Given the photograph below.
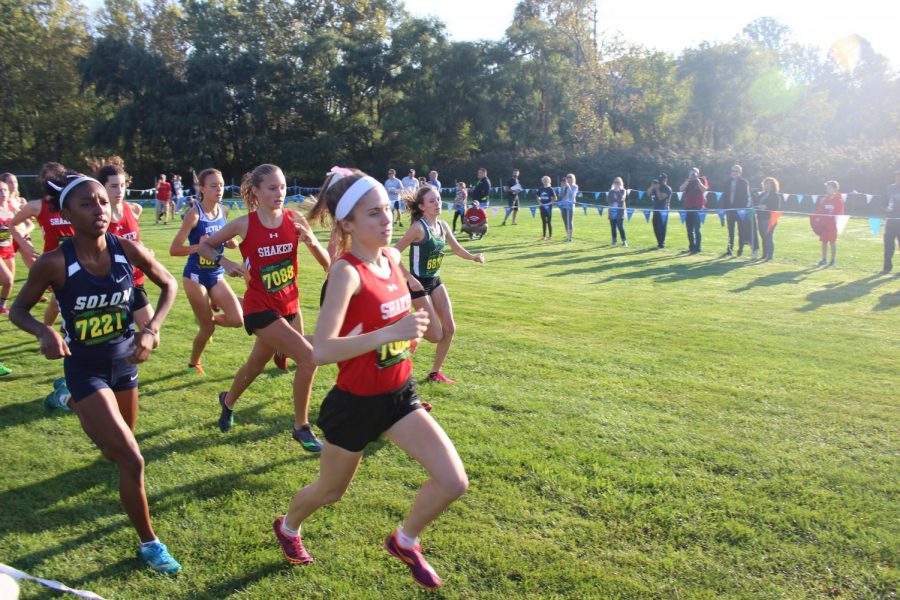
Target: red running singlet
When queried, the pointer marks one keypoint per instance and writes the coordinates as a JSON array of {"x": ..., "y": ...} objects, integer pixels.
[
  {"x": 127, "y": 228},
  {"x": 270, "y": 257},
  {"x": 56, "y": 229},
  {"x": 379, "y": 303}
]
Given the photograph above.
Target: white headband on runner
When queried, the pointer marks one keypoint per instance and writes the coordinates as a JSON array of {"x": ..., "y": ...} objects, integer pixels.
[
  {"x": 355, "y": 192},
  {"x": 71, "y": 186}
]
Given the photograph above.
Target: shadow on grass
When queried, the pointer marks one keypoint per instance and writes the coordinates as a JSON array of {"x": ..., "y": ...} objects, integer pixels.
[
  {"x": 226, "y": 587},
  {"x": 673, "y": 271},
  {"x": 773, "y": 279},
  {"x": 28, "y": 411},
  {"x": 100, "y": 472},
  {"x": 836, "y": 293},
  {"x": 888, "y": 301},
  {"x": 32, "y": 508},
  {"x": 10, "y": 350}
]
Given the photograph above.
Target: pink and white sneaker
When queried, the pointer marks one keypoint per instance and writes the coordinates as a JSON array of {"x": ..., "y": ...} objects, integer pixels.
[{"x": 439, "y": 377}]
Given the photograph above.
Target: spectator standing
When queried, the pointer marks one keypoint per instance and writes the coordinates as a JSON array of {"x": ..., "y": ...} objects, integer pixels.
[
  {"x": 433, "y": 180},
  {"x": 736, "y": 197},
  {"x": 660, "y": 193},
  {"x": 892, "y": 224},
  {"x": 513, "y": 189},
  {"x": 410, "y": 183},
  {"x": 459, "y": 205},
  {"x": 567, "y": 198},
  {"x": 163, "y": 198},
  {"x": 482, "y": 190},
  {"x": 615, "y": 198},
  {"x": 694, "y": 189},
  {"x": 394, "y": 186},
  {"x": 767, "y": 203},
  {"x": 546, "y": 198},
  {"x": 824, "y": 220}
]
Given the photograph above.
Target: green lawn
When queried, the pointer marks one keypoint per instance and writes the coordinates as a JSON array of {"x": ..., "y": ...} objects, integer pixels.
[{"x": 636, "y": 423}]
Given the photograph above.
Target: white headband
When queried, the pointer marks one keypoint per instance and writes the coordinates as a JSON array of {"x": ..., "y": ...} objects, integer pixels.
[
  {"x": 71, "y": 186},
  {"x": 355, "y": 192}
]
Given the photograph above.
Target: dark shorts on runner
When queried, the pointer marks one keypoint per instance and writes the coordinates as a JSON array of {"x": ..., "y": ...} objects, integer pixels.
[
  {"x": 140, "y": 298},
  {"x": 429, "y": 284},
  {"x": 85, "y": 377},
  {"x": 352, "y": 422},
  {"x": 261, "y": 320}
]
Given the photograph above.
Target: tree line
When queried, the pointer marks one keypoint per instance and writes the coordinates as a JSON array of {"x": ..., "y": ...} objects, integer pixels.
[{"x": 175, "y": 85}]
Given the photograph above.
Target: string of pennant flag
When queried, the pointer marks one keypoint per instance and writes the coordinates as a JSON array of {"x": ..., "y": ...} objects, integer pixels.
[
  {"x": 301, "y": 193},
  {"x": 742, "y": 214}
]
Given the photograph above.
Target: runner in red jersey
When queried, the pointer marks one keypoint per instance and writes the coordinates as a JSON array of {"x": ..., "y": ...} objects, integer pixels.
[
  {"x": 124, "y": 224},
  {"x": 25, "y": 228},
  {"x": 366, "y": 326},
  {"x": 270, "y": 234},
  {"x": 55, "y": 228},
  {"x": 7, "y": 251}
]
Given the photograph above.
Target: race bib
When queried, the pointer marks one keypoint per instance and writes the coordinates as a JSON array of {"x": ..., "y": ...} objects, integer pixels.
[
  {"x": 205, "y": 263},
  {"x": 100, "y": 325},
  {"x": 434, "y": 262},
  {"x": 277, "y": 276},
  {"x": 393, "y": 353}
]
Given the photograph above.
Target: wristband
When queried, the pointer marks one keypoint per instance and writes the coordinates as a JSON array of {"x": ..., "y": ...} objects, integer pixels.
[{"x": 147, "y": 329}]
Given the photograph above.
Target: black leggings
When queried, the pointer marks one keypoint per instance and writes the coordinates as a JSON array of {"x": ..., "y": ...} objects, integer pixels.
[
  {"x": 546, "y": 226},
  {"x": 617, "y": 224},
  {"x": 455, "y": 218}
]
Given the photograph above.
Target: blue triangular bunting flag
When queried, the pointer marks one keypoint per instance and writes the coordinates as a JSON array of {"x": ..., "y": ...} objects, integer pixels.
[
  {"x": 533, "y": 210},
  {"x": 683, "y": 215},
  {"x": 630, "y": 212},
  {"x": 647, "y": 212},
  {"x": 875, "y": 224},
  {"x": 721, "y": 216}
]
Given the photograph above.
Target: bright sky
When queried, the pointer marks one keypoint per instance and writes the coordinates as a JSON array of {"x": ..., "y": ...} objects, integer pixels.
[{"x": 671, "y": 26}]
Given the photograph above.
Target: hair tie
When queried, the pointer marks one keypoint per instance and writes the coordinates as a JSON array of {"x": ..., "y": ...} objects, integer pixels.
[
  {"x": 356, "y": 191},
  {"x": 337, "y": 173}
]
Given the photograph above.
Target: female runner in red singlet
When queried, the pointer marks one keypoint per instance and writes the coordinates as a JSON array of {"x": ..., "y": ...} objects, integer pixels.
[
  {"x": 55, "y": 228},
  {"x": 366, "y": 326},
  {"x": 270, "y": 234}
]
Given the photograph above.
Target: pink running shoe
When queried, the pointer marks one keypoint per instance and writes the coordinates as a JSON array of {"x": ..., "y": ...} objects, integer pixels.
[
  {"x": 4, "y": 310},
  {"x": 292, "y": 547},
  {"x": 439, "y": 377},
  {"x": 418, "y": 566},
  {"x": 280, "y": 361}
]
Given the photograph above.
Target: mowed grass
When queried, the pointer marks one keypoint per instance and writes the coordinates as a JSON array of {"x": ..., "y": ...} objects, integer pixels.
[{"x": 635, "y": 423}]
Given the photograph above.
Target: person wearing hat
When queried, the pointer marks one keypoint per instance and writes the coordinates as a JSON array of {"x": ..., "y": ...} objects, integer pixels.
[
  {"x": 892, "y": 224},
  {"x": 660, "y": 193},
  {"x": 736, "y": 197}
]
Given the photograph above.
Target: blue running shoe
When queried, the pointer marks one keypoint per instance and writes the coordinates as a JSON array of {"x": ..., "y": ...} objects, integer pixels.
[
  {"x": 226, "y": 417},
  {"x": 157, "y": 557},
  {"x": 58, "y": 399},
  {"x": 59, "y": 382},
  {"x": 307, "y": 438}
]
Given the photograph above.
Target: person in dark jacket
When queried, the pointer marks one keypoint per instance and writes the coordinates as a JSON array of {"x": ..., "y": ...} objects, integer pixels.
[
  {"x": 735, "y": 197},
  {"x": 892, "y": 224},
  {"x": 482, "y": 190}
]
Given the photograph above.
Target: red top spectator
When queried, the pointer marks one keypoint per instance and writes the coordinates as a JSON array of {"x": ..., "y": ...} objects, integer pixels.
[{"x": 163, "y": 189}]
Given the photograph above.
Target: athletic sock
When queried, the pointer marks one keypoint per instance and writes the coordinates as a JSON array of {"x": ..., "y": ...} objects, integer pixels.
[
  {"x": 287, "y": 530},
  {"x": 152, "y": 542},
  {"x": 3, "y": 302},
  {"x": 405, "y": 541}
]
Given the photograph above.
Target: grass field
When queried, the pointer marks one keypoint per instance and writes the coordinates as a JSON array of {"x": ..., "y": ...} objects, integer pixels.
[{"x": 636, "y": 423}]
